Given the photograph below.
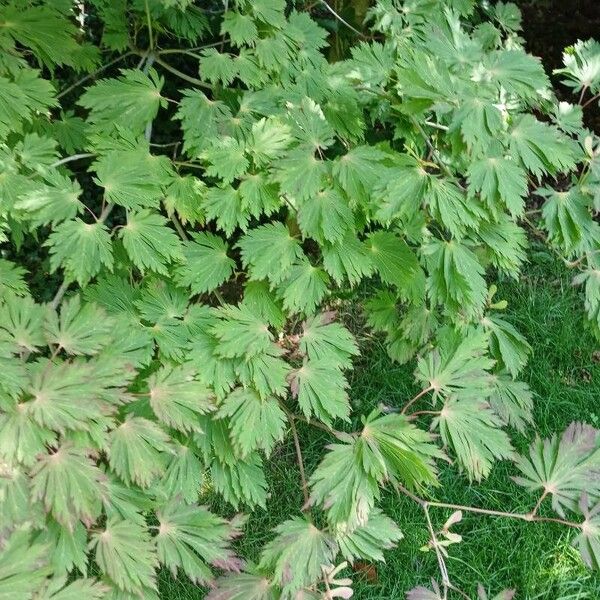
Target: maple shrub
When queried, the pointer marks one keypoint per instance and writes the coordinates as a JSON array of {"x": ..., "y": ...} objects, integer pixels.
[{"x": 188, "y": 197}]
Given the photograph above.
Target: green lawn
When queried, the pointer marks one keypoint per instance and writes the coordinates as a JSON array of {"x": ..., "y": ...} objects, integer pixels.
[{"x": 534, "y": 558}]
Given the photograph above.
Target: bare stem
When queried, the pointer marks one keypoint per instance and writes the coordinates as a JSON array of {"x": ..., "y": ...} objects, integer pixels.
[
  {"x": 441, "y": 563},
  {"x": 341, "y": 20},
  {"x": 92, "y": 75},
  {"x": 74, "y": 157},
  {"x": 434, "y": 151},
  {"x": 486, "y": 511},
  {"x": 149, "y": 22},
  {"x": 423, "y": 412},
  {"x": 538, "y": 503},
  {"x": 105, "y": 212},
  {"x": 583, "y": 91},
  {"x": 299, "y": 458},
  {"x": 181, "y": 75},
  {"x": 60, "y": 292},
  {"x": 188, "y": 50},
  {"x": 180, "y": 230},
  {"x": 596, "y": 97},
  {"x": 411, "y": 402}
]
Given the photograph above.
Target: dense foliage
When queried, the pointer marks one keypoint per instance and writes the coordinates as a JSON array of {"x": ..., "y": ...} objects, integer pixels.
[{"x": 207, "y": 193}]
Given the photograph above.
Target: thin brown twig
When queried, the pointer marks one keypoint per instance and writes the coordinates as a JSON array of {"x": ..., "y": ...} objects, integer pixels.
[
  {"x": 299, "y": 458},
  {"x": 538, "y": 503},
  {"x": 182, "y": 75},
  {"x": 588, "y": 102},
  {"x": 92, "y": 75},
  {"x": 180, "y": 230},
  {"x": 342, "y": 20},
  {"x": 413, "y": 400},
  {"x": 441, "y": 563},
  {"x": 68, "y": 159},
  {"x": 486, "y": 511}
]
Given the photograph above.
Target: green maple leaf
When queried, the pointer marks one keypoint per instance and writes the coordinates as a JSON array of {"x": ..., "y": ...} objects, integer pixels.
[
  {"x": 259, "y": 194},
  {"x": 266, "y": 372},
  {"x": 320, "y": 388},
  {"x": 23, "y": 564},
  {"x": 500, "y": 179},
  {"x": 358, "y": 170},
  {"x": 304, "y": 287},
  {"x": 449, "y": 205},
  {"x": 400, "y": 189},
  {"x": 21, "y": 321},
  {"x": 518, "y": 73},
  {"x": 69, "y": 484},
  {"x": 56, "y": 390},
  {"x": 396, "y": 264},
  {"x": 242, "y": 481},
  {"x": 45, "y": 31},
  {"x": 284, "y": 250},
  {"x": 243, "y": 586},
  {"x": 254, "y": 422},
  {"x": 297, "y": 554},
  {"x": 588, "y": 540},
  {"x": 240, "y": 332},
  {"x": 261, "y": 301},
  {"x": 184, "y": 474},
  {"x": 22, "y": 440},
  {"x": 269, "y": 139},
  {"x": 82, "y": 249},
  {"x": 189, "y": 537},
  {"x": 217, "y": 66},
  {"x": 17, "y": 105},
  {"x": 79, "y": 329},
  {"x": 458, "y": 367},
  {"x": 325, "y": 339},
  {"x": 206, "y": 265},
  {"x": 563, "y": 466},
  {"x": 126, "y": 553},
  {"x": 505, "y": 244},
  {"x": 52, "y": 203},
  {"x": 139, "y": 100},
  {"x": 456, "y": 277},
  {"x": 349, "y": 259},
  {"x": 150, "y": 244},
  {"x": 541, "y": 147},
  {"x": 507, "y": 345},
  {"x": 225, "y": 206},
  {"x": 567, "y": 218},
  {"x": 227, "y": 159},
  {"x": 185, "y": 196},
  {"x": 133, "y": 178},
  {"x": 80, "y": 589},
  {"x": 69, "y": 547},
  {"x": 393, "y": 448},
  {"x": 12, "y": 278},
  {"x": 326, "y": 216},
  {"x": 177, "y": 397},
  {"x": 343, "y": 487},
  {"x": 512, "y": 401},
  {"x": 368, "y": 540},
  {"x": 479, "y": 121},
  {"x": 474, "y": 432},
  {"x": 138, "y": 450},
  {"x": 203, "y": 119},
  {"x": 300, "y": 174},
  {"x": 240, "y": 28}
]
